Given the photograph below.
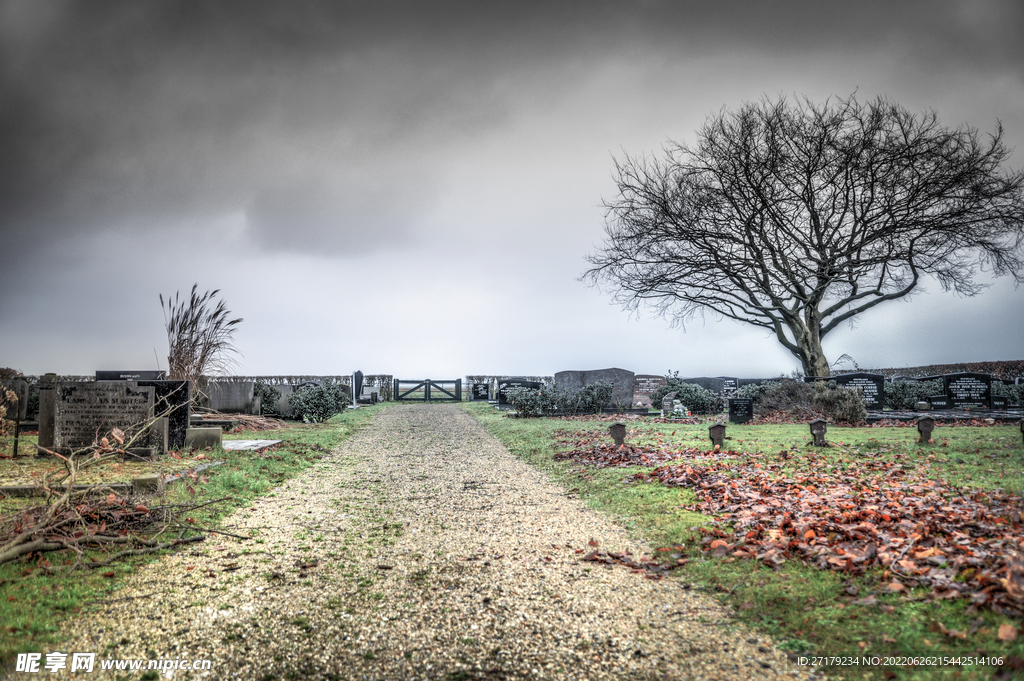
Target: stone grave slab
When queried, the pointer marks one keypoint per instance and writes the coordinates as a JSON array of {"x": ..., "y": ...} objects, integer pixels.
[
  {"x": 645, "y": 385},
  {"x": 505, "y": 385},
  {"x": 872, "y": 387},
  {"x": 730, "y": 384},
  {"x": 85, "y": 412},
  {"x": 968, "y": 389},
  {"x": 248, "y": 445},
  {"x": 19, "y": 411},
  {"x": 714, "y": 385},
  {"x": 131, "y": 375},
  {"x": 172, "y": 399},
  {"x": 622, "y": 381},
  {"x": 480, "y": 391},
  {"x": 741, "y": 409}
]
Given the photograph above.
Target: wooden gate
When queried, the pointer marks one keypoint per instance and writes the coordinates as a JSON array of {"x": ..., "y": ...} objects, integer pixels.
[{"x": 426, "y": 390}]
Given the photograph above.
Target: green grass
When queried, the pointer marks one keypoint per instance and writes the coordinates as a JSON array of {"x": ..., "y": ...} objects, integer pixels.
[
  {"x": 802, "y": 608},
  {"x": 33, "y": 602}
]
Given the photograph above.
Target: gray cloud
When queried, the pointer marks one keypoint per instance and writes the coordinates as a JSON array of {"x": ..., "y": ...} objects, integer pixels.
[{"x": 363, "y": 131}]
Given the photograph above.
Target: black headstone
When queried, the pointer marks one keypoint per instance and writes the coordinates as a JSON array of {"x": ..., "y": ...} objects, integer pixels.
[
  {"x": 131, "y": 375},
  {"x": 741, "y": 409},
  {"x": 645, "y": 385},
  {"x": 19, "y": 410},
  {"x": 480, "y": 391},
  {"x": 505, "y": 385},
  {"x": 729, "y": 384},
  {"x": 357, "y": 383},
  {"x": 998, "y": 402},
  {"x": 172, "y": 399},
  {"x": 872, "y": 387},
  {"x": 940, "y": 402},
  {"x": 968, "y": 389}
]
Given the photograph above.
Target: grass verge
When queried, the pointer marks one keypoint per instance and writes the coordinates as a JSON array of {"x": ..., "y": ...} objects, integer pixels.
[
  {"x": 807, "y": 611},
  {"x": 36, "y": 594}
]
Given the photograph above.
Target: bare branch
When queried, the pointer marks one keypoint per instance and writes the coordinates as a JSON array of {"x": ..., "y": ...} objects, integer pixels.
[{"x": 797, "y": 217}]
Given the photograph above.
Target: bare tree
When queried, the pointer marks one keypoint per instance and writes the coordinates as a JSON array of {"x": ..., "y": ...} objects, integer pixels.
[
  {"x": 798, "y": 217},
  {"x": 199, "y": 337}
]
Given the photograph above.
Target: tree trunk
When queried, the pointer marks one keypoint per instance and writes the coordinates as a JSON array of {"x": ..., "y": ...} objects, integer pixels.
[{"x": 808, "y": 340}]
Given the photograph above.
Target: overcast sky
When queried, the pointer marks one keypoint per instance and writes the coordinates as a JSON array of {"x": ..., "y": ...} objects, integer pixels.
[{"x": 411, "y": 187}]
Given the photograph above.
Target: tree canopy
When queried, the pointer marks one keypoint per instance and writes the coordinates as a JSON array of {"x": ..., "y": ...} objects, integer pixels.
[{"x": 796, "y": 217}]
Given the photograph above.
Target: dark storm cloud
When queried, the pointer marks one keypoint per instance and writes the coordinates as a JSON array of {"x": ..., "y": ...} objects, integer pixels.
[
  {"x": 332, "y": 128},
  {"x": 332, "y": 119}
]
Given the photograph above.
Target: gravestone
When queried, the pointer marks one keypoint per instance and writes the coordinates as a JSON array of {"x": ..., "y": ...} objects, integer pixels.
[
  {"x": 232, "y": 397},
  {"x": 357, "y": 385},
  {"x": 47, "y": 409},
  {"x": 618, "y": 433},
  {"x": 818, "y": 429},
  {"x": 131, "y": 375},
  {"x": 717, "y": 435},
  {"x": 622, "y": 382},
  {"x": 998, "y": 402},
  {"x": 714, "y": 385},
  {"x": 872, "y": 388},
  {"x": 480, "y": 391},
  {"x": 940, "y": 402},
  {"x": 19, "y": 410},
  {"x": 925, "y": 426},
  {"x": 172, "y": 399},
  {"x": 668, "y": 404},
  {"x": 741, "y": 409},
  {"x": 968, "y": 389},
  {"x": 729, "y": 385},
  {"x": 505, "y": 385},
  {"x": 85, "y": 412},
  {"x": 645, "y": 385},
  {"x": 158, "y": 433}
]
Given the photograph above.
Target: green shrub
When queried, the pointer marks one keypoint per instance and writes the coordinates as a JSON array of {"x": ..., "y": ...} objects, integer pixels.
[
  {"x": 697, "y": 399},
  {"x": 320, "y": 402},
  {"x": 1014, "y": 394},
  {"x": 755, "y": 391},
  {"x": 590, "y": 399},
  {"x": 840, "y": 405},
  {"x": 268, "y": 394},
  {"x": 795, "y": 398},
  {"x": 905, "y": 394},
  {"x": 810, "y": 400},
  {"x": 530, "y": 402}
]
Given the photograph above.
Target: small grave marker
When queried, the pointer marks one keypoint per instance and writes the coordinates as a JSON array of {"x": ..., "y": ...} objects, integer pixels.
[
  {"x": 925, "y": 426},
  {"x": 998, "y": 401},
  {"x": 668, "y": 405},
  {"x": 940, "y": 402},
  {"x": 618, "y": 433},
  {"x": 818, "y": 429},
  {"x": 717, "y": 434}
]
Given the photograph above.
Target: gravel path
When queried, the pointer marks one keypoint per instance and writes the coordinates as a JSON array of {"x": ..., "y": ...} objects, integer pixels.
[{"x": 438, "y": 555}]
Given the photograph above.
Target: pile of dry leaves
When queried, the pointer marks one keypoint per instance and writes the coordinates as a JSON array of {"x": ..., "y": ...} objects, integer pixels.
[
  {"x": 848, "y": 515},
  {"x": 871, "y": 514}
]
